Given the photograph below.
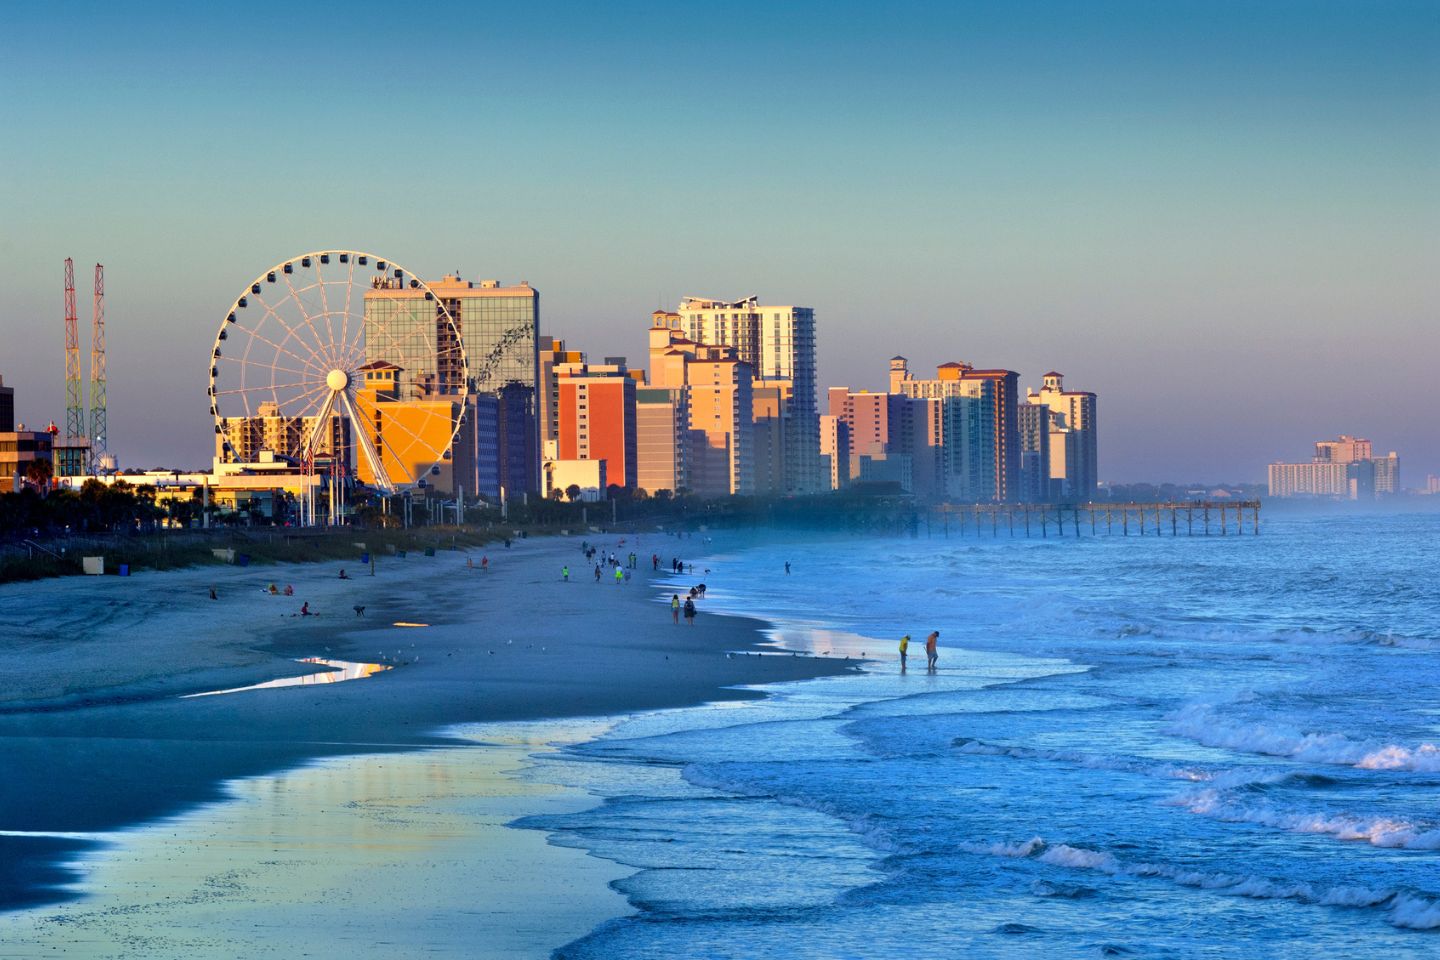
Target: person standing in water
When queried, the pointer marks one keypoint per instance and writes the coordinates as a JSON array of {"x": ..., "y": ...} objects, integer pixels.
[
  {"x": 930, "y": 653},
  {"x": 904, "y": 649},
  {"x": 787, "y": 568}
]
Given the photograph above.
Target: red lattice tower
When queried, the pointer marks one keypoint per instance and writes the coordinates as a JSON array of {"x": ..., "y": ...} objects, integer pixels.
[{"x": 74, "y": 400}]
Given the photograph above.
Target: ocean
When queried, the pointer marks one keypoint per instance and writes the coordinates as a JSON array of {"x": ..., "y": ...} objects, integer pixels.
[{"x": 1132, "y": 746}]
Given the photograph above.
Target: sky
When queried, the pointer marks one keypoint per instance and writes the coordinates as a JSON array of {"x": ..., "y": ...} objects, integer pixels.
[{"x": 1221, "y": 217}]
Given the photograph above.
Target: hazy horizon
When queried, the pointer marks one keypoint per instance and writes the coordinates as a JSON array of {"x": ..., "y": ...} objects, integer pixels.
[{"x": 1220, "y": 217}]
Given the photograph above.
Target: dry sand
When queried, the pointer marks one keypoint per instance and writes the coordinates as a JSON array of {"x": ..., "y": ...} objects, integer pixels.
[{"x": 92, "y": 670}]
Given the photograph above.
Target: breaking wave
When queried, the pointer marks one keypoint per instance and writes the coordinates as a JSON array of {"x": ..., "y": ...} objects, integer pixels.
[{"x": 1200, "y": 723}]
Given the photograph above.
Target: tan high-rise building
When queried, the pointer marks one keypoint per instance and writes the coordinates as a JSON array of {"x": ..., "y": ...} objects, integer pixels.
[
  {"x": 1322, "y": 479},
  {"x": 835, "y": 450},
  {"x": 778, "y": 344},
  {"x": 720, "y": 389},
  {"x": 662, "y": 434},
  {"x": 242, "y": 439},
  {"x": 769, "y": 398},
  {"x": 1347, "y": 449}
]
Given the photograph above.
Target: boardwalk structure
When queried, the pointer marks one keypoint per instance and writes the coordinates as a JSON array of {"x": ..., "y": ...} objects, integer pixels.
[{"x": 1194, "y": 517}]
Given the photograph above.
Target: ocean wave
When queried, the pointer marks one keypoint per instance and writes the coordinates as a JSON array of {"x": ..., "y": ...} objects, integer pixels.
[
  {"x": 1378, "y": 831},
  {"x": 1200, "y": 723},
  {"x": 1415, "y": 913},
  {"x": 1092, "y": 761},
  {"x": 1406, "y": 910}
]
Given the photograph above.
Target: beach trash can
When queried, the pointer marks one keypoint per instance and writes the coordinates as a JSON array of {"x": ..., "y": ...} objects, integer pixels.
[
  {"x": 242, "y": 559},
  {"x": 124, "y": 569},
  {"x": 429, "y": 551},
  {"x": 364, "y": 559},
  {"x": 400, "y": 554}
]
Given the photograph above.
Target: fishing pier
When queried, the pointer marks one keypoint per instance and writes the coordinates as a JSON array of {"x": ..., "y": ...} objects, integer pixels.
[{"x": 1171, "y": 518}]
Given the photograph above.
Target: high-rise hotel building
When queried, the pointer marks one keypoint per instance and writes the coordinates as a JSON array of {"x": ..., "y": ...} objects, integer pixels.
[
  {"x": 777, "y": 343},
  {"x": 500, "y": 328},
  {"x": 969, "y": 398},
  {"x": 1073, "y": 453}
]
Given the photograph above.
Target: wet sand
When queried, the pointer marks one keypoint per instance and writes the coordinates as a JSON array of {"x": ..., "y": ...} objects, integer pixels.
[{"x": 96, "y": 734}]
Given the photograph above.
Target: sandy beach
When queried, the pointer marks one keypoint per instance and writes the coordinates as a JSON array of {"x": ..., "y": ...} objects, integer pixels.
[{"x": 98, "y": 732}]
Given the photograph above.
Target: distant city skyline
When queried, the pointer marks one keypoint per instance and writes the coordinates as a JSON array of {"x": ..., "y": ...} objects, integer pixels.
[{"x": 1222, "y": 218}]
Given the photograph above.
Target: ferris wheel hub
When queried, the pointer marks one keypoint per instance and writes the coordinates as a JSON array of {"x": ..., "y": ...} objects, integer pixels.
[{"x": 337, "y": 380}]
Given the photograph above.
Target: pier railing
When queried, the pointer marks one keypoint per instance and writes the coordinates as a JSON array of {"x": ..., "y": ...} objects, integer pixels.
[{"x": 1173, "y": 518}]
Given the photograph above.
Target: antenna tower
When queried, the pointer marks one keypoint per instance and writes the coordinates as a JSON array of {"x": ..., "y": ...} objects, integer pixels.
[
  {"x": 74, "y": 402},
  {"x": 98, "y": 426}
]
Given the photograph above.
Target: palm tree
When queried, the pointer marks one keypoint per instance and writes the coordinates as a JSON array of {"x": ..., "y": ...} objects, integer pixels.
[{"x": 39, "y": 473}]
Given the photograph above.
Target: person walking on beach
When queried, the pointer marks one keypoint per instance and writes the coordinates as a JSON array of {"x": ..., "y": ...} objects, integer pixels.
[
  {"x": 787, "y": 568},
  {"x": 675, "y": 608},
  {"x": 212, "y": 593},
  {"x": 597, "y": 573},
  {"x": 565, "y": 573},
  {"x": 619, "y": 575},
  {"x": 690, "y": 612},
  {"x": 485, "y": 563},
  {"x": 904, "y": 650},
  {"x": 930, "y": 653}
]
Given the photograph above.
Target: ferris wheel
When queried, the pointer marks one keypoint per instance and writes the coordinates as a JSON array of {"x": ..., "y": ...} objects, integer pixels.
[{"x": 342, "y": 359}]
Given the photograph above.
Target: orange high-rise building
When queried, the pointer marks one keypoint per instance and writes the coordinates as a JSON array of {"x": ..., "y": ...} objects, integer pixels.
[{"x": 596, "y": 407}]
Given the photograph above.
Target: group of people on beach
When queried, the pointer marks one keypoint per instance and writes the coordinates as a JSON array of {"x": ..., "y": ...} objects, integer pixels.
[
  {"x": 688, "y": 608},
  {"x": 931, "y": 653}
]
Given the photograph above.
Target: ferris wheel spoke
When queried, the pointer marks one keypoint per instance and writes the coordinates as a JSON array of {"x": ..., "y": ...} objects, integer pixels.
[
  {"x": 320, "y": 340},
  {"x": 345, "y": 317},
  {"x": 245, "y": 361},
  {"x": 273, "y": 386},
  {"x": 313, "y": 345},
  {"x": 304, "y": 403},
  {"x": 309, "y": 363},
  {"x": 324, "y": 300}
]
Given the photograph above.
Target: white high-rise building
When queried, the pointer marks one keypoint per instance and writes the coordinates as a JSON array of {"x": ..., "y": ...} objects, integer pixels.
[
  {"x": 1073, "y": 453},
  {"x": 778, "y": 342}
]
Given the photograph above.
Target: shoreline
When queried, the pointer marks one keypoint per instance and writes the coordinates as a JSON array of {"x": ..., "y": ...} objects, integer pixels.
[{"x": 98, "y": 740}]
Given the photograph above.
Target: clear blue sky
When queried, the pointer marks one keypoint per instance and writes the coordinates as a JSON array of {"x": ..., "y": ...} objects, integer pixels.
[{"x": 1223, "y": 217}]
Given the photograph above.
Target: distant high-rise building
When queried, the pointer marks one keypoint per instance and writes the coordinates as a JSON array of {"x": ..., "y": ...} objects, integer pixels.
[
  {"x": 960, "y": 380},
  {"x": 7, "y": 408},
  {"x": 835, "y": 450},
  {"x": 552, "y": 353},
  {"x": 1347, "y": 449},
  {"x": 1322, "y": 479},
  {"x": 778, "y": 345},
  {"x": 662, "y": 439},
  {"x": 720, "y": 389},
  {"x": 500, "y": 330},
  {"x": 597, "y": 418},
  {"x": 1345, "y": 467},
  {"x": 242, "y": 439},
  {"x": 1033, "y": 420},
  {"x": 1387, "y": 474},
  {"x": 770, "y": 432},
  {"x": 1432, "y": 483},
  {"x": 1073, "y": 449},
  {"x": 969, "y": 452}
]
